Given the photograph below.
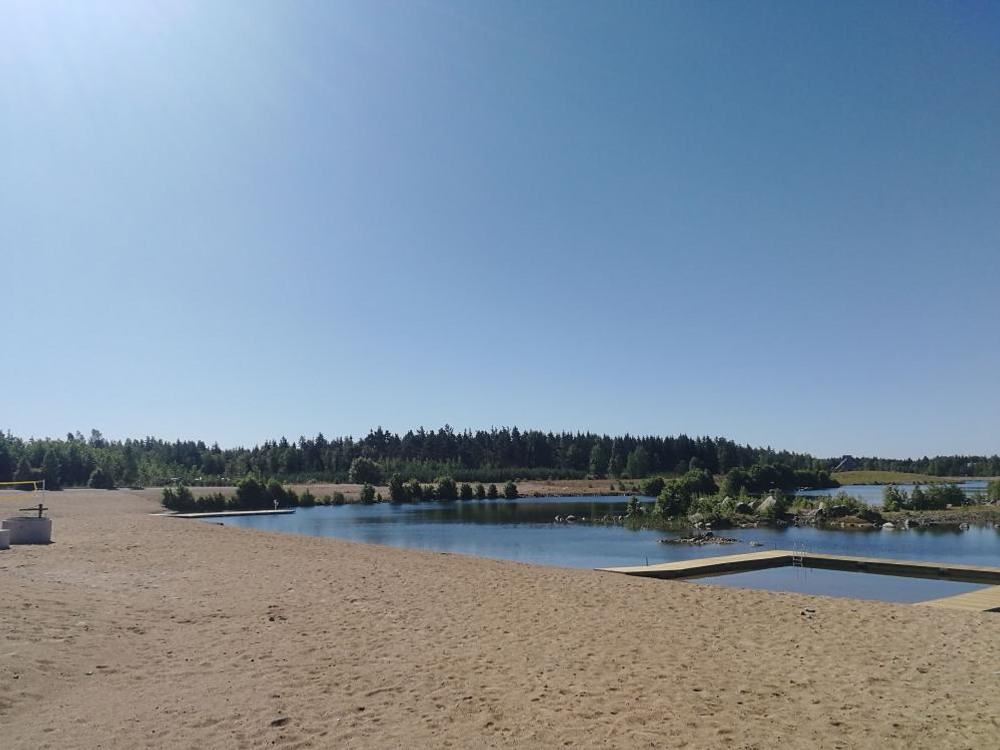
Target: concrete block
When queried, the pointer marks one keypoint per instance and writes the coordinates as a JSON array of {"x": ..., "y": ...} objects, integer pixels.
[{"x": 26, "y": 530}]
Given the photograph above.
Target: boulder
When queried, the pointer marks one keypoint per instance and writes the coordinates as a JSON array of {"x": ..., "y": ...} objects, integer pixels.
[
  {"x": 743, "y": 508},
  {"x": 839, "y": 511},
  {"x": 767, "y": 505}
]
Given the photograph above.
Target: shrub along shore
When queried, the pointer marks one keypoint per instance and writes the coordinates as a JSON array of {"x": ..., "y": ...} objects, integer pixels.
[
  {"x": 696, "y": 500},
  {"x": 252, "y": 493}
]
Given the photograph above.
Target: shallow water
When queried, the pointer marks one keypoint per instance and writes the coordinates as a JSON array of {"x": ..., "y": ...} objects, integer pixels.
[
  {"x": 524, "y": 531},
  {"x": 844, "y": 584}
]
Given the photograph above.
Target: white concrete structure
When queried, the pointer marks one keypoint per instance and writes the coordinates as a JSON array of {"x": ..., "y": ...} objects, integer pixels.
[{"x": 26, "y": 530}]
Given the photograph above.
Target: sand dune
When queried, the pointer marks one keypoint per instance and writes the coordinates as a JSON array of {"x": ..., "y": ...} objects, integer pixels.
[{"x": 133, "y": 631}]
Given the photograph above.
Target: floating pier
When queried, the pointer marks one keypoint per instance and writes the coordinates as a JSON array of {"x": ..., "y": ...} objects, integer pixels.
[
  {"x": 709, "y": 566},
  {"x": 229, "y": 513},
  {"x": 985, "y": 600}
]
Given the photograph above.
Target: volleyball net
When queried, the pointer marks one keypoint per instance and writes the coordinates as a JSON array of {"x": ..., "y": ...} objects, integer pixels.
[{"x": 32, "y": 490}]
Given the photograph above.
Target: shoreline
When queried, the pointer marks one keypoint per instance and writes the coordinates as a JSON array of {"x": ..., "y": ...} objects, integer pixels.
[{"x": 136, "y": 631}]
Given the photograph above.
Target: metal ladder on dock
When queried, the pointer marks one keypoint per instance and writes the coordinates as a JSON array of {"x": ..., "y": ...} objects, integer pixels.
[{"x": 798, "y": 553}]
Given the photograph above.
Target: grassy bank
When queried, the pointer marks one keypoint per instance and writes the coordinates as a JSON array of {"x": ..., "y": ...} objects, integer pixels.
[{"x": 847, "y": 478}]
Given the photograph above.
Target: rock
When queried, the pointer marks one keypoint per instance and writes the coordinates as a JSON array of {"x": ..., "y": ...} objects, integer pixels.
[
  {"x": 743, "y": 508},
  {"x": 701, "y": 539},
  {"x": 839, "y": 511},
  {"x": 767, "y": 504},
  {"x": 888, "y": 526}
]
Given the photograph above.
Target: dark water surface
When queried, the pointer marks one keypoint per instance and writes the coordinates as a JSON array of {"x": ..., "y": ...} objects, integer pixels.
[{"x": 525, "y": 531}]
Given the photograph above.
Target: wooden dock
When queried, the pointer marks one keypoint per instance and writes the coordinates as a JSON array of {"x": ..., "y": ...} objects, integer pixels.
[
  {"x": 984, "y": 600},
  {"x": 907, "y": 568},
  {"x": 230, "y": 513},
  {"x": 709, "y": 566}
]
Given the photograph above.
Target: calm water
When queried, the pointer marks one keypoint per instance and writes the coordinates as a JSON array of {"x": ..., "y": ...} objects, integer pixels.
[
  {"x": 844, "y": 583},
  {"x": 524, "y": 531},
  {"x": 872, "y": 493}
]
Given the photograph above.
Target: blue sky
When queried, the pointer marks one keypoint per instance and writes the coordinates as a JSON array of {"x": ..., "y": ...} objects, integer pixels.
[{"x": 778, "y": 222}]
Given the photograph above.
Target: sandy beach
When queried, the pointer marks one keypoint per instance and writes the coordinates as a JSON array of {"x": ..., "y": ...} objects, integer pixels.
[{"x": 134, "y": 631}]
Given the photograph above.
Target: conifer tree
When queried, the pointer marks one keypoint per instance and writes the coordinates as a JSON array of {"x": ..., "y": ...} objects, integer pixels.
[
  {"x": 24, "y": 473},
  {"x": 51, "y": 470}
]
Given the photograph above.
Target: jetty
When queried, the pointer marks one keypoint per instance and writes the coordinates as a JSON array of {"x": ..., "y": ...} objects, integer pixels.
[
  {"x": 984, "y": 600},
  {"x": 229, "y": 513}
]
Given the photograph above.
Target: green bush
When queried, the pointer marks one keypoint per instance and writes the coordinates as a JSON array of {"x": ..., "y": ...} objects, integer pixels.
[
  {"x": 894, "y": 498},
  {"x": 935, "y": 497},
  {"x": 480, "y": 491},
  {"x": 993, "y": 491},
  {"x": 491, "y": 492},
  {"x": 178, "y": 499},
  {"x": 251, "y": 494},
  {"x": 367, "y": 495},
  {"x": 398, "y": 491},
  {"x": 653, "y": 486},
  {"x": 510, "y": 491},
  {"x": 465, "y": 491},
  {"x": 364, "y": 471},
  {"x": 100, "y": 480},
  {"x": 446, "y": 489},
  {"x": 677, "y": 494},
  {"x": 414, "y": 490},
  {"x": 713, "y": 508}
]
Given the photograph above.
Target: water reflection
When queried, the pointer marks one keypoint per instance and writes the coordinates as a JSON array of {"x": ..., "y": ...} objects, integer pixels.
[{"x": 525, "y": 531}]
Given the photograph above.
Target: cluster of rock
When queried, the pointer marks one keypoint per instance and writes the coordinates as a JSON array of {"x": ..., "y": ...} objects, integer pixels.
[{"x": 707, "y": 537}]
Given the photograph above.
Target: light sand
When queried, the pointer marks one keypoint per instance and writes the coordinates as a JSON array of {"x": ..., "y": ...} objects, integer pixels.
[{"x": 133, "y": 631}]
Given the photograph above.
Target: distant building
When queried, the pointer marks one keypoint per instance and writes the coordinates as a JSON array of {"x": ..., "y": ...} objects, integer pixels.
[{"x": 847, "y": 463}]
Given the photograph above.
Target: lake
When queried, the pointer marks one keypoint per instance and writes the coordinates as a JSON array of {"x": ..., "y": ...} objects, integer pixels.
[{"x": 525, "y": 531}]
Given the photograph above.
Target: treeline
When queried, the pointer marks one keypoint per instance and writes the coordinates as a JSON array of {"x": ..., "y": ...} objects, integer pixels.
[
  {"x": 938, "y": 466},
  {"x": 469, "y": 456}
]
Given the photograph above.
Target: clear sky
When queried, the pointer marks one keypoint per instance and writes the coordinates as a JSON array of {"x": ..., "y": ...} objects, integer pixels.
[{"x": 773, "y": 221}]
